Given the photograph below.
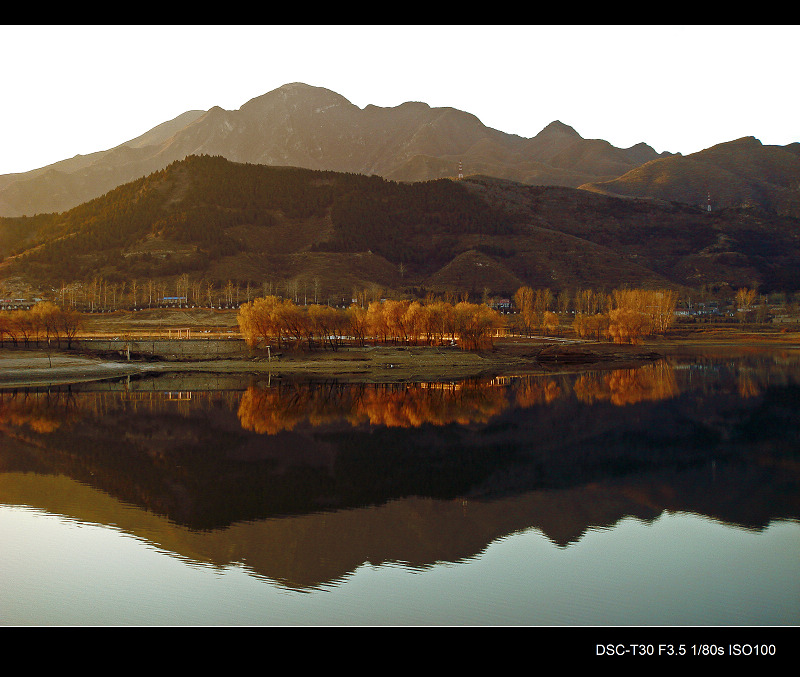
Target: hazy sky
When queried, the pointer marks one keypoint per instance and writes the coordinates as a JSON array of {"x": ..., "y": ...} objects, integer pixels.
[{"x": 70, "y": 90}]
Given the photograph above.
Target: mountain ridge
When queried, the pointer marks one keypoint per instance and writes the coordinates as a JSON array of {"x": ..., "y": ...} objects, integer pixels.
[
  {"x": 315, "y": 128},
  {"x": 742, "y": 172}
]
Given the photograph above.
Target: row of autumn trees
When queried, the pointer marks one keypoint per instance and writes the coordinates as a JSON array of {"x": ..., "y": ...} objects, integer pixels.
[
  {"x": 434, "y": 322},
  {"x": 624, "y": 316},
  {"x": 629, "y": 315},
  {"x": 45, "y": 321}
]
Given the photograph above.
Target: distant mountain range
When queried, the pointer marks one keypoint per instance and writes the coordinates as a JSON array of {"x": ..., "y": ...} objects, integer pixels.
[
  {"x": 315, "y": 128},
  {"x": 306, "y": 184},
  {"x": 312, "y": 127}
]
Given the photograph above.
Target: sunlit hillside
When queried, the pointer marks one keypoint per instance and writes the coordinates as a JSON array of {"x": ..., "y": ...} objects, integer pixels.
[{"x": 738, "y": 173}]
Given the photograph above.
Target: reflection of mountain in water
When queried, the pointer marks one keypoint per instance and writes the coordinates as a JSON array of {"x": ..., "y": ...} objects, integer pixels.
[
  {"x": 418, "y": 472},
  {"x": 316, "y": 549}
]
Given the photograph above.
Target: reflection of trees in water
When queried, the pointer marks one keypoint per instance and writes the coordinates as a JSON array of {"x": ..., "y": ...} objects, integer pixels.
[
  {"x": 287, "y": 405},
  {"x": 747, "y": 385},
  {"x": 627, "y": 386},
  {"x": 744, "y": 372},
  {"x": 396, "y": 405},
  {"x": 41, "y": 412},
  {"x": 283, "y": 407},
  {"x": 271, "y": 410},
  {"x": 437, "y": 404},
  {"x": 531, "y": 391},
  {"x": 46, "y": 411},
  {"x": 185, "y": 455}
]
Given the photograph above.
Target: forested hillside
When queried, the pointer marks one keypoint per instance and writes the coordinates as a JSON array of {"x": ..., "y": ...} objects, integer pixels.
[{"x": 206, "y": 220}]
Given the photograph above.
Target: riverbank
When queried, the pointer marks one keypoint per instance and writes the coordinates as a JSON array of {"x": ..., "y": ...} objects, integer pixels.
[
  {"x": 383, "y": 363},
  {"x": 20, "y": 367}
]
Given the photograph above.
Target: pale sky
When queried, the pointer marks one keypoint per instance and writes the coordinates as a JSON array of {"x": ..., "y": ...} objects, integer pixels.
[{"x": 70, "y": 90}]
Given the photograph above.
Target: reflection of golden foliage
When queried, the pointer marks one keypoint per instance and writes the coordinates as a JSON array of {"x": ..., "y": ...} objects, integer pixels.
[
  {"x": 747, "y": 386},
  {"x": 591, "y": 388},
  {"x": 627, "y": 386},
  {"x": 273, "y": 410},
  {"x": 534, "y": 391},
  {"x": 41, "y": 412},
  {"x": 284, "y": 407},
  {"x": 416, "y": 405},
  {"x": 276, "y": 409},
  {"x": 43, "y": 425}
]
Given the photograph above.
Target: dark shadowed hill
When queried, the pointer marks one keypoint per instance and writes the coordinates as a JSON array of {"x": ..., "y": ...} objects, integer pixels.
[{"x": 212, "y": 221}]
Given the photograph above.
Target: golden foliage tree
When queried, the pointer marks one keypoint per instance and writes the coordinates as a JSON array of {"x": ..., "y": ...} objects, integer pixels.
[
  {"x": 267, "y": 319},
  {"x": 524, "y": 301},
  {"x": 630, "y": 314},
  {"x": 744, "y": 302},
  {"x": 475, "y": 325}
]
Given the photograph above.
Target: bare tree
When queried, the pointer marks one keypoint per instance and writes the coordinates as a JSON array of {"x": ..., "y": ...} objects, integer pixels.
[
  {"x": 197, "y": 287},
  {"x": 562, "y": 302}
]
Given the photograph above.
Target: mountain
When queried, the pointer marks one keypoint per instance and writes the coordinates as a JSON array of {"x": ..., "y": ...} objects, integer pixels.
[
  {"x": 315, "y": 128},
  {"x": 743, "y": 172},
  {"x": 289, "y": 228}
]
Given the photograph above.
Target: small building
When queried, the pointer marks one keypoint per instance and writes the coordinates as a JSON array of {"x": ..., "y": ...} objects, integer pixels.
[{"x": 501, "y": 305}]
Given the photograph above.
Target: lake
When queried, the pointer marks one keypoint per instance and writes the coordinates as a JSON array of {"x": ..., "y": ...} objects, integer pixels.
[{"x": 665, "y": 495}]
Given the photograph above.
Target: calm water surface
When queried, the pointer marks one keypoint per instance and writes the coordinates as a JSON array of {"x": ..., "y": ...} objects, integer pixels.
[{"x": 663, "y": 495}]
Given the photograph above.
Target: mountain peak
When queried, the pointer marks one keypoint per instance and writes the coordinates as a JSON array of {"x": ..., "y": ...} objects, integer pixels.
[
  {"x": 296, "y": 91},
  {"x": 558, "y": 127},
  {"x": 302, "y": 89},
  {"x": 744, "y": 143}
]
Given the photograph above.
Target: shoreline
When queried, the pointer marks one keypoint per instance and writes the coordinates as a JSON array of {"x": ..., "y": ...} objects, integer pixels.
[
  {"x": 34, "y": 368},
  {"x": 31, "y": 367}
]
